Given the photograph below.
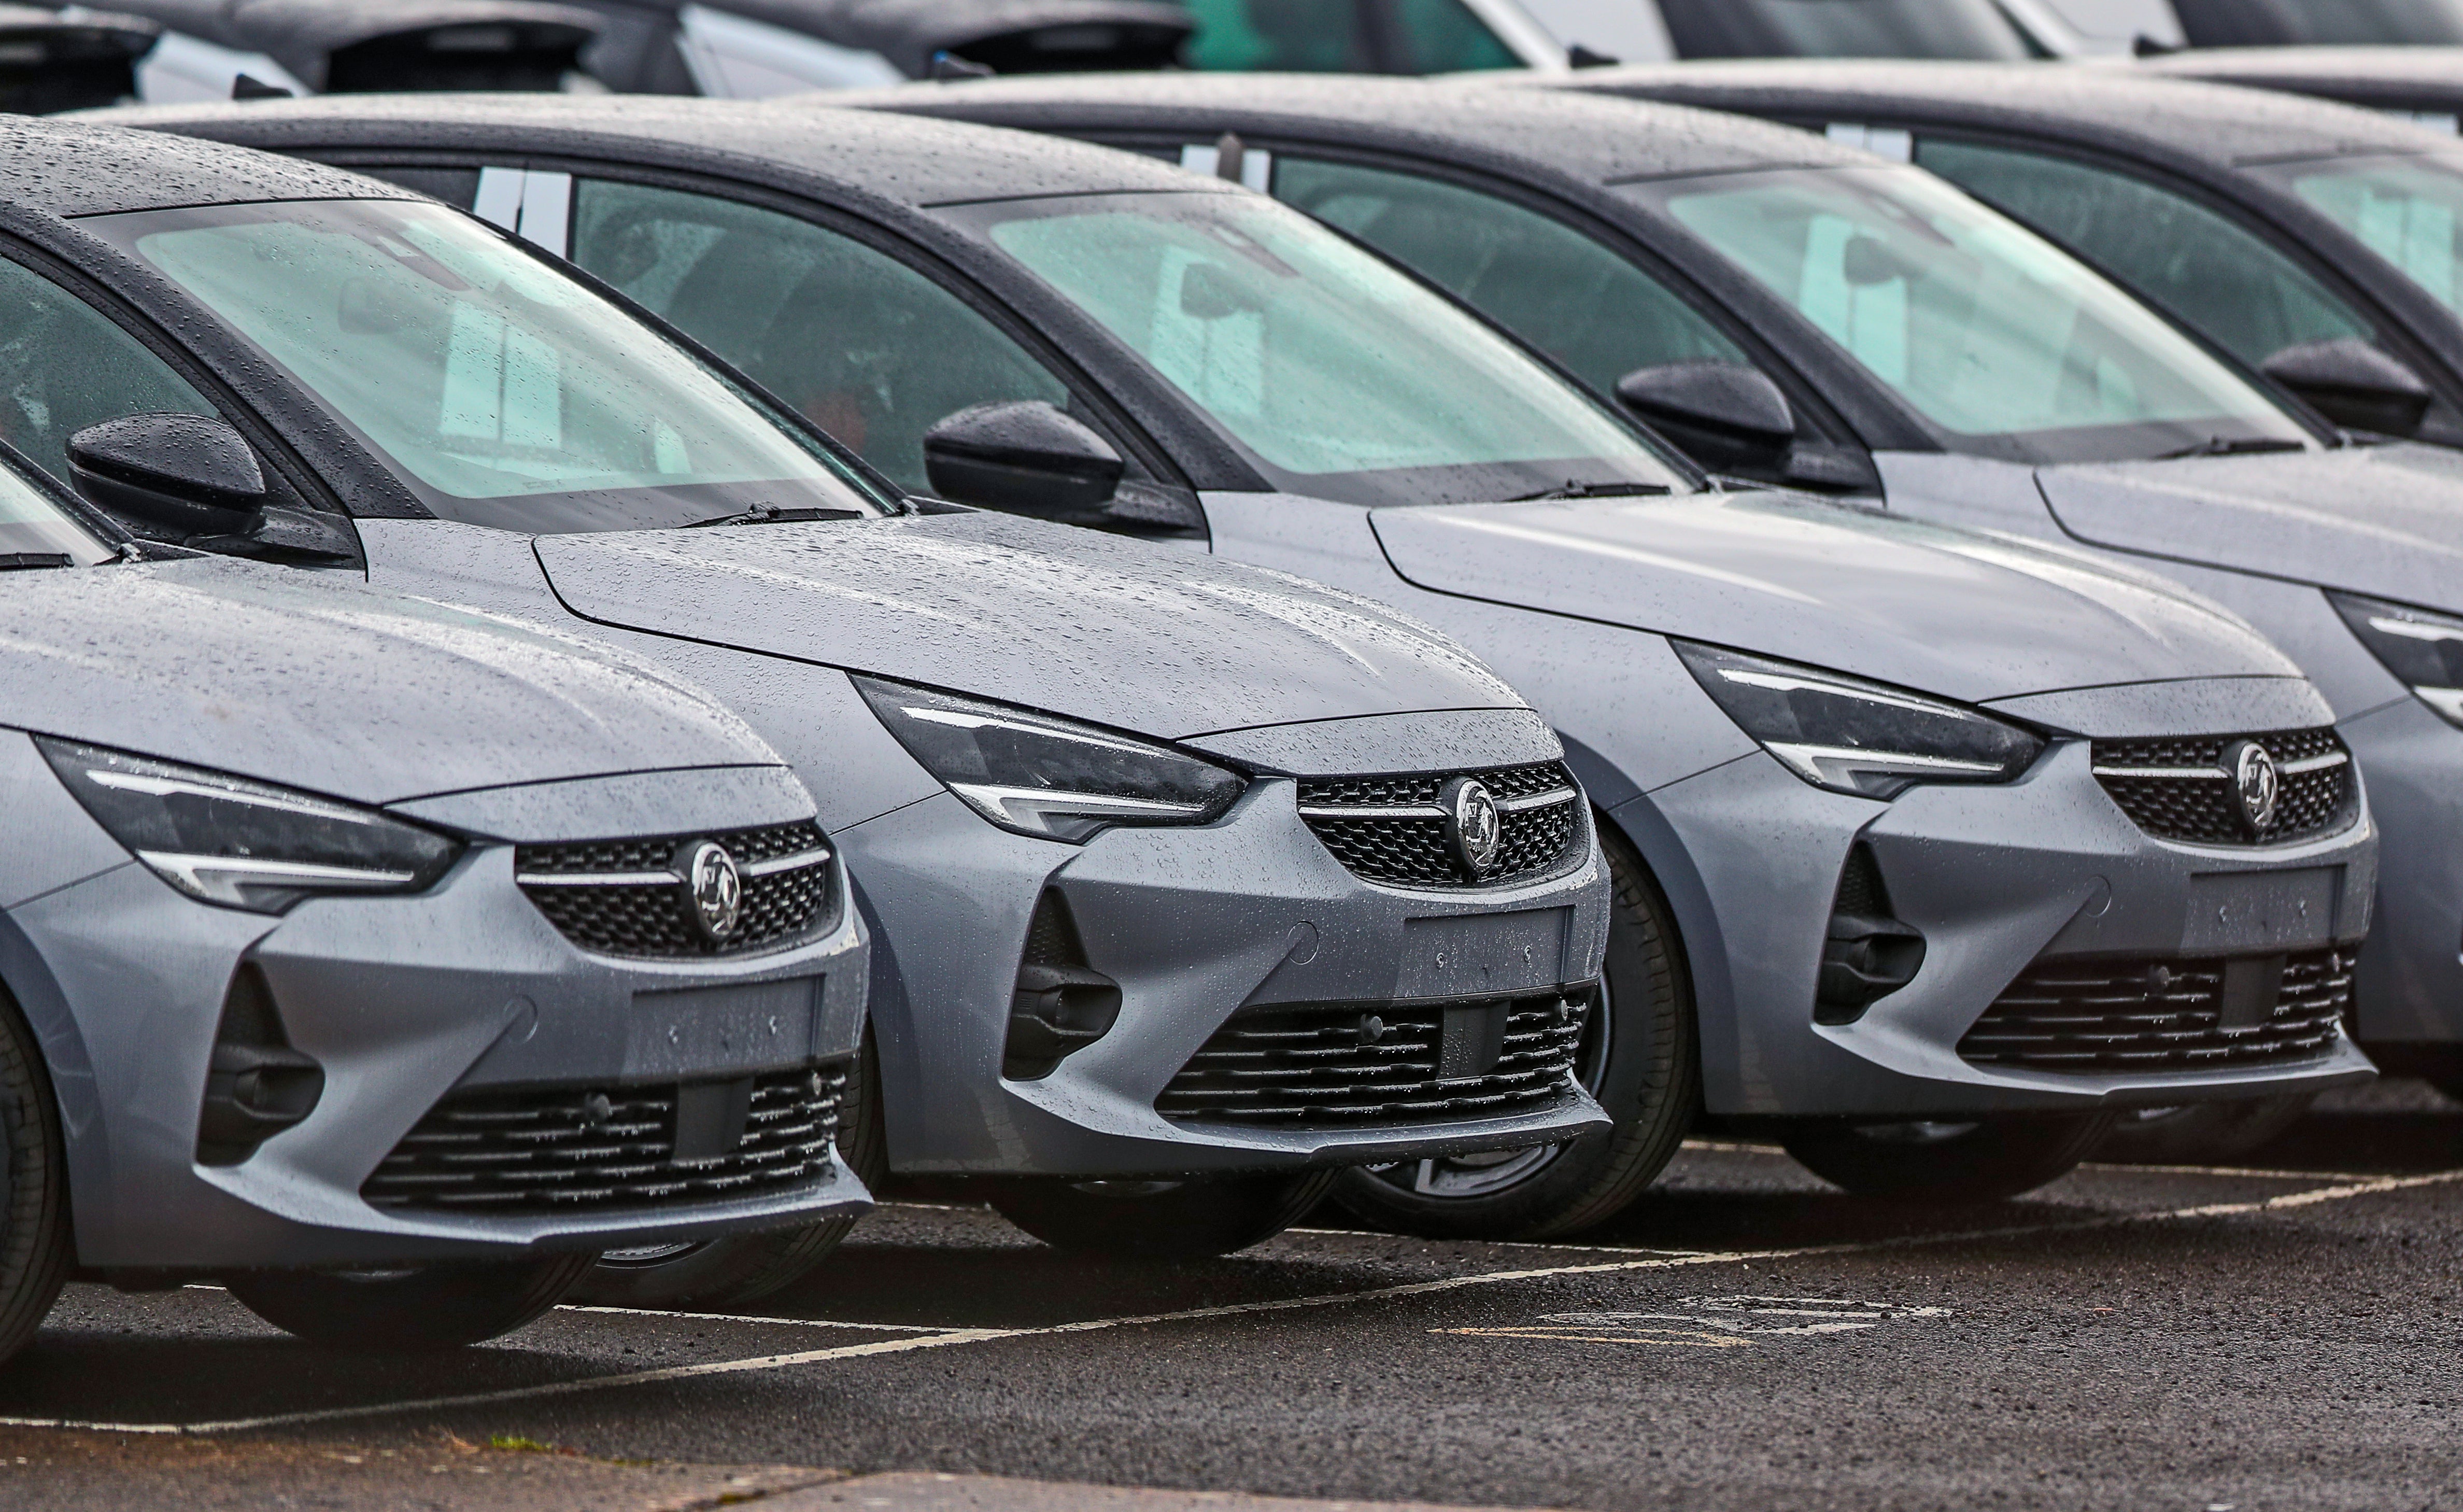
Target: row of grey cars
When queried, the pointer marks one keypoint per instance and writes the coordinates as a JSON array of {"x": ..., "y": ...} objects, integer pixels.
[{"x": 1397, "y": 656}]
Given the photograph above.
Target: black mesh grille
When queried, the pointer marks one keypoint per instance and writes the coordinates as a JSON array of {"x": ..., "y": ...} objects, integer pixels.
[
  {"x": 1347, "y": 1064},
  {"x": 1412, "y": 851},
  {"x": 657, "y": 920},
  {"x": 2106, "y": 1014},
  {"x": 558, "y": 1149},
  {"x": 2205, "y": 810}
]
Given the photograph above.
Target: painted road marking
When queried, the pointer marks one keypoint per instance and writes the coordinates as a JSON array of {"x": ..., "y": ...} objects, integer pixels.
[
  {"x": 1714, "y": 1323},
  {"x": 954, "y": 1337}
]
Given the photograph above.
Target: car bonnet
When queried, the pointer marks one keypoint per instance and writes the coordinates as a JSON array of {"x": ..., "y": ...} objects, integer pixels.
[
  {"x": 333, "y": 687},
  {"x": 1961, "y": 614},
  {"x": 2381, "y": 520},
  {"x": 1166, "y": 643}
]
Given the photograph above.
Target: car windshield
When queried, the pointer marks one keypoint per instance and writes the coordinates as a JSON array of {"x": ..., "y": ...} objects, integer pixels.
[
  {"x": 1952, "y": 28},
  {"x": 2000, "y": 342},
  {"x": 34, "y": 531},
  {"x": 2403, "y": 209},
  {"x": 2334, "y": 23},
  {"x": 501, "y": 392},
  {"x": 1336, "y": 374}
]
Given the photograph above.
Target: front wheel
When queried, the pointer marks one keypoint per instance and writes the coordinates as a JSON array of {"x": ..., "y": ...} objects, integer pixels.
[
  {"x": 428, "y": 1307},
  {"x": 1948, "y": 1162},
  {"x": 1638, "y": 1057},
  {"x": 2200, "y": 1132},
  {"x": 744, "y": 1267},
  {"x": 33, "y": 1187},
  {"x": 1190, "y": 1220}
]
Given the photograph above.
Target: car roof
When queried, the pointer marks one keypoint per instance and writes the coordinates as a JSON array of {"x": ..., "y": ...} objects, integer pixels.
[
  {"x": 1594, "y": 142},
  {"x": 909, "y": 32},
  {"x": 2344, "y": 72},
  {"x": 860, "y": 154},
  {"x": 57, "y": 167},
  {"x": 300, "y": 34},
  {"x": 2178, "y": 120}
]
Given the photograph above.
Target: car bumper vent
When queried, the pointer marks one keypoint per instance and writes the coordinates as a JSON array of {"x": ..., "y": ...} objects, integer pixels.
[
  {"x": 1326, "y": 1065},
  {"x": 2183, "y": 789},
  {"x": 1391, "y": 829},
  {"x": 561, "y": 1149},
  {"x": 628, "y": 897},
  {"x": 2104, "y": 1016}
]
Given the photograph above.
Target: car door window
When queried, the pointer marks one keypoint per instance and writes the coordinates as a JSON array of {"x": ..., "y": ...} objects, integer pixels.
[
  {"x": 2203, "y": 269},
  {"x": 64, "y": 365},
  {"x": 1572, "y": 298},
  {"x": 869, "y": 349}
]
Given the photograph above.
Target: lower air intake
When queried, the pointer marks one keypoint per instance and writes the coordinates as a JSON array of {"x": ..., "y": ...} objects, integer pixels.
[
  {"x": 560, "y": 1149},
  {"x": 1340, "y": 1065},
  {"x": 2106, "y": 1015}
]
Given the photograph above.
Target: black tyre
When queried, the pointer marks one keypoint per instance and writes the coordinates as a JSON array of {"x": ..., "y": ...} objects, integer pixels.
[
  {"x": 430, "y": 1307},
  {"x": 744, "y": 1267},
  {"x": 1639, "y": 1057},
  {"x": 1943, "y": 1162},
  {"x": 1159, "y": 1219},
  {"x": 2199, "y": 1131},
  {"x": 35, "y": 1249}
]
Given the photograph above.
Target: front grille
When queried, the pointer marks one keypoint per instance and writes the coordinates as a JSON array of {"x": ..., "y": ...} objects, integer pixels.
[
  {"x": 627, "y": 897},
  {"x": 1348, "y": 1065},
  {"x": 1391, "y": 829},
  {"x": 2107, "y": 1015},
  {"x": 2183, "y": 789},
  {"x": 560, "y": 1149}
]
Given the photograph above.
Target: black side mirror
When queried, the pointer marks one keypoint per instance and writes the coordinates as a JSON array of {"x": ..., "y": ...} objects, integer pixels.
[
  {"x": 176, "y": 474},
  {"x": 193, "y": 480},
  {"x": 1725, "y": 414},
  {"x": 2353, "y": 384},
  {"x": 1024, "y": 456}
]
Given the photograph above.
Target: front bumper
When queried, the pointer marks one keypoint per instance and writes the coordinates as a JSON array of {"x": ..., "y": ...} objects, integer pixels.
[
  {"x": 400, "y": 1001},
  {"x": 1995, "y": 877},
  {"x": 1193, "y": 923}
]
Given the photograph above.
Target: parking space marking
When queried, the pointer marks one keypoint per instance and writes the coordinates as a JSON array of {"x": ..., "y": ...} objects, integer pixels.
[
  {"x": 672, "y": 1315},
  {"x": 1750, "y": 1317},
  {"x": 2370, "y": 1187}
]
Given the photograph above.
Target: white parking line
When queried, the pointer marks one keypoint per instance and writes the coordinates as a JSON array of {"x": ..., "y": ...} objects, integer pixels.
[{"x": 2367, "y": 1187}]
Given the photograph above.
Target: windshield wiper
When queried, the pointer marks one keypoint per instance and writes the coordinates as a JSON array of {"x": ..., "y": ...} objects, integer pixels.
[
  {"x": 2233, "y": 446},
  {"x": 12, "y": 560},
  {"x": 1595, "y": 490},
  {"x": 766, "y": 515}
]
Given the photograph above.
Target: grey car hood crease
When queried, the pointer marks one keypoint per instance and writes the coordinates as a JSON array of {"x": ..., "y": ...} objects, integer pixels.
[
  {"x": 1069, "y": 621},
  {"x": 335, "y": 689},
  {"x": 1963, "y": 614}
]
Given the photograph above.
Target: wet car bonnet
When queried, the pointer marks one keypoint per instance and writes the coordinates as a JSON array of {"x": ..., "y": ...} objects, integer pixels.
[
  {"x": 1965, "y": 615},
  {"x": 1057, "y": 618},
  {"x": 335, "y": 689}
]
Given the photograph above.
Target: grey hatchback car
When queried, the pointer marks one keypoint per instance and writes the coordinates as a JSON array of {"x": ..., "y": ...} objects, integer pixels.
[{"x": 302, "y": 976}]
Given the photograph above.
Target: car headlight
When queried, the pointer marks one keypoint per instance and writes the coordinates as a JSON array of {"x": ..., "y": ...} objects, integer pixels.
[
  {"x": 1853, "y": 737},
  {"x": 1052, "y": 778},
  {"x": 244, "y": 844},
  {"x": 2421, "y": 647}
]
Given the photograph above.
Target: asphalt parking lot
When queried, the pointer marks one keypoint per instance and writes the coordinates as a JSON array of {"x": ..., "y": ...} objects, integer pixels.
[{"x": 2278, "y": 1334}]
